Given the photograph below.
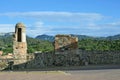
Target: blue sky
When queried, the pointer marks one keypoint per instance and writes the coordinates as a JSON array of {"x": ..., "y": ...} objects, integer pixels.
[{"x": 84, "y": 17}]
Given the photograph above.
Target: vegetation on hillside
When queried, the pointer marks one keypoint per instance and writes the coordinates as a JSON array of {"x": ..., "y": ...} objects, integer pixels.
[
  {"x": 99, "y": 45},
  {"x": 6, "y": 44},
  {"x": 39, "y": 45}
]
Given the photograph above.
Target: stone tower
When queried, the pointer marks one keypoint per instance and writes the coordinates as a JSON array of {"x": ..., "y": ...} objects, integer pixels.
[{"x": 19, "y": 44}]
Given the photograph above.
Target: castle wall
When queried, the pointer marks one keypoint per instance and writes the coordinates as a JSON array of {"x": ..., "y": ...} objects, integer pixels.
[{"x": 43, "y": 60}]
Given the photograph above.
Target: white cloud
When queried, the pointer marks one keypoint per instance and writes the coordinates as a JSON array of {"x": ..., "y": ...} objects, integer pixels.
[
  {"x": 93, "y": 26},
  {"x": 33, "y": 29},
  {"x": 37, "y": 28},
  {"x": 4, "y": 28},
  {"x": 70, "y": 17},
  {"x": 115, "y": 24},
  {"x": 43, "y": 22},
  {"x": 92, "y": 29},
  {"x": 56, "y": 16}
]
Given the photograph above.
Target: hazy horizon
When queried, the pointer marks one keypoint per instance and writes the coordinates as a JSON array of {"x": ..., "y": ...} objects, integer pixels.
[{"x": 60, "y": 34}]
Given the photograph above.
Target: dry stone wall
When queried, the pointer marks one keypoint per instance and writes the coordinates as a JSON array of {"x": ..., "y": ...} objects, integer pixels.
[{"x": 42, "y": 60}]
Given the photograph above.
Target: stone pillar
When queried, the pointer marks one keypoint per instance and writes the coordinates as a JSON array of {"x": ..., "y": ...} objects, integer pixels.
[{"x": 19, "y": 44}]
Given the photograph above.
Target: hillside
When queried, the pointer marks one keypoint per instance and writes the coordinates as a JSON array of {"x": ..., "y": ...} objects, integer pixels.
[
  {"x": 115, "y": 37},
  {"x": 110, "y": 43},
  {"x": 6, "y": 44},
  {"x": 45, "y": 37},
  {"x": 44, "y": 43},
  {"x": 39, "y": 45}
]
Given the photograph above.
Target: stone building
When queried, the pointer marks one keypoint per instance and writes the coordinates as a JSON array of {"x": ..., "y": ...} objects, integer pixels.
[
  {"x": 19, "y": 44},
  {"x": 65, "y": 43}
]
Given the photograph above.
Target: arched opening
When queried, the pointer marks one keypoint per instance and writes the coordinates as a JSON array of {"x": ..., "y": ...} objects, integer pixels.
[{"x": 19, "y": 35}]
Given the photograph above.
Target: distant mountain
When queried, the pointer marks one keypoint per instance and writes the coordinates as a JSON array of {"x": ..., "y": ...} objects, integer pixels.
[
  {"x": 2, "y": 34},
  {"x": 82, "y": 36},
  {"x": 51, "y": 38},
  {"x": 45, "y": 37},
  {"x": 7, "y": 34},
  {"x": 115, "y": 37}
]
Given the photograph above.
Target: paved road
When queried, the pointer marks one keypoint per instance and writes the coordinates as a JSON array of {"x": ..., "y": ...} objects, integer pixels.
[{"x": 109, "y": 74}]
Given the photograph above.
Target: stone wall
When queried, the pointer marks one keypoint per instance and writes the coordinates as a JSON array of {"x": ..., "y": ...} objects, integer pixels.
[
  {"x": 42, "y": 60},
  {"x": 68, "y": 58}
]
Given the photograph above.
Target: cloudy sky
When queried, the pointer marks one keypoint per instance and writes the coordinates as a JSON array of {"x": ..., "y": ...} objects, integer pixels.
[{"x": 51, "y": 17}]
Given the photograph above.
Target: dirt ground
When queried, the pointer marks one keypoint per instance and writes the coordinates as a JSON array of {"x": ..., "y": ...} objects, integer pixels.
[{"x": 109, "y": 74}]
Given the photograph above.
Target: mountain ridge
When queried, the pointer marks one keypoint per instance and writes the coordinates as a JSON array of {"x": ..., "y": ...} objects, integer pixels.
[{"x": 51, "y": 38}]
